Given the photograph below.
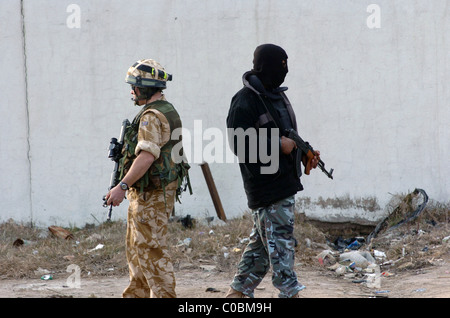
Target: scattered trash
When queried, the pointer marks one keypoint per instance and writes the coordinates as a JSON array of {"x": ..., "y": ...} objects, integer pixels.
[
  {"x": 212, "y": 290},
  {"x": 341, "y": 269},
  {"x": 419, "y": 290},
  {"x": 379, "y": 254},
  {"x": 359, "y": 281},
  {"x": 326, "y": 258},
  {"x": 382, "y": 291},
  {"x": 446, "y": 239},
  {"x": 47, "y": 277},
  {"x": 98, "y": 247},
  {"x": 187, "y": 222},
  {"x": 60, "y": 232},
  {"x": 185, "y": 245},
  {"x": 244, "y": 241},
  {"x": 187, "y": 241},
  {"x": 353, "y": 243},
  {"x": 372, "y": 268},
  {"x": 226, "y": 254},
  {"x": 361, "y": 258},
  {"x": 41, "y": 271},
  {"x": 20, "y": 242}
]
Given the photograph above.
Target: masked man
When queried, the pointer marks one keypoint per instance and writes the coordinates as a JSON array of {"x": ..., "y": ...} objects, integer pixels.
[{"x": 261, "y": 105}]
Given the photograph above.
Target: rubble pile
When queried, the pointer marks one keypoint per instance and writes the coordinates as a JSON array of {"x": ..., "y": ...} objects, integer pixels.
[{"x": 411, "y": 237}]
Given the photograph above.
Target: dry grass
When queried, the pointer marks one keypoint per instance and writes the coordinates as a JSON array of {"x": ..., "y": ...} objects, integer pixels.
[
  {"x": 411, "y": 245},
  {"x": 220, "y": 246},
  {"x": 45, "y": 251}
]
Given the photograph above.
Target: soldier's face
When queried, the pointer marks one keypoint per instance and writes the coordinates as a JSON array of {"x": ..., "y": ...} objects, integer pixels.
[{"x": 135, "y": 93}]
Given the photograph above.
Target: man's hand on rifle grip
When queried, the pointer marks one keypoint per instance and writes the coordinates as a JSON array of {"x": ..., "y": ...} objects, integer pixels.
[
  {"x": 115, "y": 196},
  {"x": 287, "y": 145},
  {"x": 311, "y": 160}
]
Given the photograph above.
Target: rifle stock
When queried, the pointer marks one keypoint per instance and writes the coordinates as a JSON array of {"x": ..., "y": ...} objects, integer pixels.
[{"x": 308, "y": 153}]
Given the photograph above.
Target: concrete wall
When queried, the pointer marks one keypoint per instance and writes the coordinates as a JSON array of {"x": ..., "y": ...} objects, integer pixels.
[{"x": 372, "y": 95}]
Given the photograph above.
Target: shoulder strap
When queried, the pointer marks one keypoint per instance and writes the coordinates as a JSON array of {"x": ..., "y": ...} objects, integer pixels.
[{"x": 290, "y": 110}]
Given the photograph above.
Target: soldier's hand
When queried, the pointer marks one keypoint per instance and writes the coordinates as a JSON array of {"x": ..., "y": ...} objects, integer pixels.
[{"x": 115, "y": 196}]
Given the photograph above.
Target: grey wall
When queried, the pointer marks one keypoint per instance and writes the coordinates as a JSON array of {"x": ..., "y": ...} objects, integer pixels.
[{"x": 375, "y": 101}]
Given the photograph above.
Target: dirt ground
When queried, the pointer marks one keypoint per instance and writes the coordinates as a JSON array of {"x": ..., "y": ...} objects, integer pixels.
[
  {"x": 430, "y": 282},
  {"x": 412, "y": 258}
]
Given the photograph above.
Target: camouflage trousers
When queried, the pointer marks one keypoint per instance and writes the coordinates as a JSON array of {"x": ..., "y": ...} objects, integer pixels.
[
  {"x": 271, "y": 245},
  {"x": 149, "y": 263}
]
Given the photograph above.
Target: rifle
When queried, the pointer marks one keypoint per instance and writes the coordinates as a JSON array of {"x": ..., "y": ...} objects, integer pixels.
[
  {"x": 306, "y": 149},
  {"x": 115, "y": 154}
]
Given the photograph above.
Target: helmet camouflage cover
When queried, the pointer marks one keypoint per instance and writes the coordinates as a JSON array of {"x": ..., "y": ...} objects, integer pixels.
[{"x": 147, "y": 73}]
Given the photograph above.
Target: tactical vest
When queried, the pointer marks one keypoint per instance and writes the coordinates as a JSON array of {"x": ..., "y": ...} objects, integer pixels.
[{"x": 163, "y": 170}]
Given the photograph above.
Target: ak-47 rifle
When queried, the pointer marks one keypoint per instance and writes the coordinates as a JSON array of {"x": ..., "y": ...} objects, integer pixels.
[
  {"x": 308, "y": 152},
  {"x": 115, "y": 154}
]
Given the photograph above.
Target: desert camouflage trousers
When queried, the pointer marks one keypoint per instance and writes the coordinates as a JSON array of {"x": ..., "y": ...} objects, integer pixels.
[
  {"x": 149, "y": 263},
  {"x": 271, "y": 244}
]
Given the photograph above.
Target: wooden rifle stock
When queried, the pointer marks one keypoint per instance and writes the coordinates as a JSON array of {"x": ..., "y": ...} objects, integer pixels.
[{"x": 308, "y": 153}]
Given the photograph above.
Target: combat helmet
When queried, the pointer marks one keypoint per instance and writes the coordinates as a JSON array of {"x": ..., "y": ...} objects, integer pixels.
[{"x": 149, "y": 76}]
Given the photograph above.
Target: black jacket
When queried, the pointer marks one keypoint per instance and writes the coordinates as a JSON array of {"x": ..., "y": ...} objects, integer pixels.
[{"x": 254, "y": 108}]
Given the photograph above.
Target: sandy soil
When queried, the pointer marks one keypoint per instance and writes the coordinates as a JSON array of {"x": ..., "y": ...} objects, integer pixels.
[{"x": 429, "y": 282}]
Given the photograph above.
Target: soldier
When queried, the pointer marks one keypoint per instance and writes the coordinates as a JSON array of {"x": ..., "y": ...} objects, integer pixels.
[
  {"x": 151, "y": 178},
  {"x": 261, "y": 104}
]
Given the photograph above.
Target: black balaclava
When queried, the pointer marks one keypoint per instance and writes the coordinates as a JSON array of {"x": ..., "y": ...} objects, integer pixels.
[{"x": 270, "y": 65}]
